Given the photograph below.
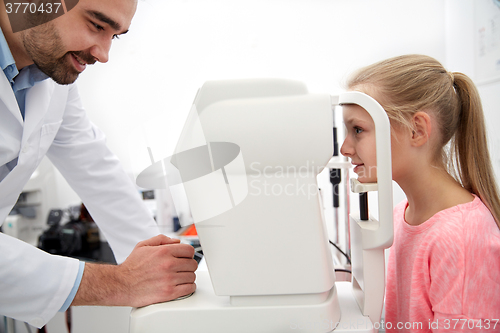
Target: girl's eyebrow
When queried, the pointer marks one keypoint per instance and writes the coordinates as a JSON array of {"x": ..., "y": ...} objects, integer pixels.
[{"x": 349, "y": 120}]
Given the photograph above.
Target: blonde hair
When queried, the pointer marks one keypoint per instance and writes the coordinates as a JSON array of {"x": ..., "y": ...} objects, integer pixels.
[{"x": 407, "y": 84}]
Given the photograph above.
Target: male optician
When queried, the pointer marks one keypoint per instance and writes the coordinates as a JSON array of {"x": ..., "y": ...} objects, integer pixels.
[{"x": 41, "y": 114}]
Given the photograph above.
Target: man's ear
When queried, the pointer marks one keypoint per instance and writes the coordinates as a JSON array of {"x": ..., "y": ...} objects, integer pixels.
[{"x": 422, "y": 128}]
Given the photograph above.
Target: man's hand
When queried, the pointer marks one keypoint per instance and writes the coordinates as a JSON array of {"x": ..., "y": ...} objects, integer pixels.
[{"x": 158, "y": 270}]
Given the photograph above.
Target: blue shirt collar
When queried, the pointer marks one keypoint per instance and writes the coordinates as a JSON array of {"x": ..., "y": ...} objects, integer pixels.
[
  {"x": 25, "y": 79},
  {"x": 29, "y": 75},
  {"x": 7, "y": 62}
]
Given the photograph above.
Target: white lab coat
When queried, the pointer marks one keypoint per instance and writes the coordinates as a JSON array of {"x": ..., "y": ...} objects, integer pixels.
[{"x": 34, "y": 284}]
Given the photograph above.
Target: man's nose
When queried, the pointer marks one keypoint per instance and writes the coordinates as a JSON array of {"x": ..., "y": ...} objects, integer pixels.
[{"x": 100, "y": 51}]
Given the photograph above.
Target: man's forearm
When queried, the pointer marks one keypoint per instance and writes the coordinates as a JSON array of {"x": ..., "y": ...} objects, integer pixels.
[
  {"x": 158, "y": 270},
  {"x": 101, "y": 285}
]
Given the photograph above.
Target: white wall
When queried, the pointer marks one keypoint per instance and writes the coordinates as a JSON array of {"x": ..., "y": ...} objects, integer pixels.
[
  {"x": 460, "y": 57},
  {"x": 141, "y": 97},
  {"x": 174, "y": 46}
]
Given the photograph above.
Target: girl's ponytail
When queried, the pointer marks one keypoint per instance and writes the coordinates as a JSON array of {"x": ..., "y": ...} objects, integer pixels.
[{"x": 470, "y": 147}]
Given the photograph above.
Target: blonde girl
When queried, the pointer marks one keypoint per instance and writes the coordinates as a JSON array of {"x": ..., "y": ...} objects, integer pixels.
[{"x": 444, "y": 265}]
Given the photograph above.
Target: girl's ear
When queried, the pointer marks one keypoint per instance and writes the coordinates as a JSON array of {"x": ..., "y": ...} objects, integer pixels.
[{"x": 422, "y": 128}]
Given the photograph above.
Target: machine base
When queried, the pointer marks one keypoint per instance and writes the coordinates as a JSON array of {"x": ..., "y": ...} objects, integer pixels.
[{"x": 205, "y": 312}]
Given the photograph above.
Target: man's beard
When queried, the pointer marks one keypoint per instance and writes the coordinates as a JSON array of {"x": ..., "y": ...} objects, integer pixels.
[{"x": 45, "y": 47}]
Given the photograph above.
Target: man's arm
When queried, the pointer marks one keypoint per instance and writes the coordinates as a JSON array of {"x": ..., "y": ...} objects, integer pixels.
[
  {"x": 80, "y": 153},
  {"x": 158, "y": 270},
  {"x": 33, "y": 283}
]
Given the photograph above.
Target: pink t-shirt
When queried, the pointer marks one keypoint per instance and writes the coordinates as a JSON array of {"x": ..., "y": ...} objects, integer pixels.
[{"x": 444, "y": 274}]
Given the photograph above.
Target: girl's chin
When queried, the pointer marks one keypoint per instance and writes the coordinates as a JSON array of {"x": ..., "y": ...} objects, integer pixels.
[
  {"x": 364, "y": 176},
  {"x": 366, "y": 180}
]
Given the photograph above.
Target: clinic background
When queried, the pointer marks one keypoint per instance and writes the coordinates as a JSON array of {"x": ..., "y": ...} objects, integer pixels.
[{"x": 141, "y": 97}]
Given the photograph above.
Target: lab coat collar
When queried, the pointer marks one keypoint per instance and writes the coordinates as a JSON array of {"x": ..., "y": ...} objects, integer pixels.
[
  {"x": 37, "y": 103},
  {"x": 9, "y": 99}
]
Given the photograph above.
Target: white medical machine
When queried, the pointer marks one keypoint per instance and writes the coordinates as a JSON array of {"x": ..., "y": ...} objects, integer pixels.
[{"x": 247, "y": 162}]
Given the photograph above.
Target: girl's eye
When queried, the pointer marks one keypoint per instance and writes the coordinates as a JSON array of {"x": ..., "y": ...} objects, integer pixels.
[
  {"x": 116, "y": 37},
  {"x": 358, "y": 130}
]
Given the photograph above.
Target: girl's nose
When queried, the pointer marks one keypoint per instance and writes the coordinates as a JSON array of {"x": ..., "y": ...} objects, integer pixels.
[{"x": 347, "y": 149}]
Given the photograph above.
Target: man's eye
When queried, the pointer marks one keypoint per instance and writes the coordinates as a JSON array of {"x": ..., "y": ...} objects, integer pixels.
[
  {"x": 116, "y": 37},
  {"x": 97, "y": 26}
]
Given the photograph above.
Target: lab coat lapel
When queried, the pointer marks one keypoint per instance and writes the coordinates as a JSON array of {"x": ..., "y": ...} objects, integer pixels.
[
  {"x": 37, "y": 103},
  {"x": 8, "y": 98},
  {"x": 11, "y": 121}
]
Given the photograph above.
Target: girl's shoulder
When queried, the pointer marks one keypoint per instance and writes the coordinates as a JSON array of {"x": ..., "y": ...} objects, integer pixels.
[
  {"x": 480, "y": 231},
  {"x": 461, "y": 224},
  {"x": 474, "y": 217}
]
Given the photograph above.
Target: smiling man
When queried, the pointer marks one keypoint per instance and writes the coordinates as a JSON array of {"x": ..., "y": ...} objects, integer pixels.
[{"x": 41, "y": 114}]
